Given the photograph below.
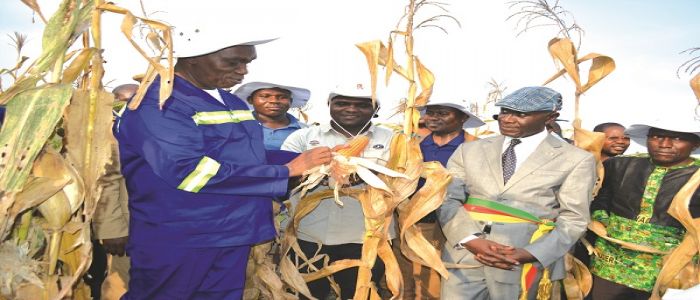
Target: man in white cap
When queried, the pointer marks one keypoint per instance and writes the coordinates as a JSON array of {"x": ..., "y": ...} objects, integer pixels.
[
  {"x": 200, "y": 181},
  {"x": 340, "y": 229},
  {"x": 447, "y": 121},
  {"x": 527, "y": 202},
  {"x": 270, "y": 104},
  {"x": 633, "y": 203}
]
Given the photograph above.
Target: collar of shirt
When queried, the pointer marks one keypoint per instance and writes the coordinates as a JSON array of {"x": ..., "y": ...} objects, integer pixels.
[
  {"x": 293, "y": 123},
  {"x": 526, "y": 147},
  {"x": 456, "y": 141},
  {"x": 434, "y": 152}
]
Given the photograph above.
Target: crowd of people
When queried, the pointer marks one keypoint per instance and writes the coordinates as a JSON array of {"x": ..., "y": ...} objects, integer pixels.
[{"x": 202, "y": 172}]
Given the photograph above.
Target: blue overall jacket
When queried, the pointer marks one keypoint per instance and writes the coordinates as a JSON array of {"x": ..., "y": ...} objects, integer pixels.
[{"x": 197, "y": 171}]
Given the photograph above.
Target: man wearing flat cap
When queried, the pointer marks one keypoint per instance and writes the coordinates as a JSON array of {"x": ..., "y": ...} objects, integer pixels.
[
  {"x": 516, "y": 205},
  {"x": 199, "y": 179},
  {"x": 633, "y": 204},
  {"x": 270, "y": 104}
]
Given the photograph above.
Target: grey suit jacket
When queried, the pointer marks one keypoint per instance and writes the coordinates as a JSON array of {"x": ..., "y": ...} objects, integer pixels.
[{"x": 555, "y": 182}]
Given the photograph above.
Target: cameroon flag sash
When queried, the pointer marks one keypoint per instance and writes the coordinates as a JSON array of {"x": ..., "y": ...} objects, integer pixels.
[{"x": 487, "y": 210}]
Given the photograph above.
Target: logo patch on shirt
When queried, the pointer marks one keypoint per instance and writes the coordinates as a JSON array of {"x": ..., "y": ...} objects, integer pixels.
[
  {"x": 314, "y": 143},
  {"x": 378, "y": 146}
]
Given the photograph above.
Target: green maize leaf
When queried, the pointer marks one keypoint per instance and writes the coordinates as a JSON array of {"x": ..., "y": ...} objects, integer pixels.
[{"x": 30, "y": 120}]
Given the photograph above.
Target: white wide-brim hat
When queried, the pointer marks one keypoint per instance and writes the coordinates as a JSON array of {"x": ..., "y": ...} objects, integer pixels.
[
  {"x": 299, "y": 95},
  {"x": 209, "y": 26},
  {"x": 638, "y": 132},
  {"x": 473, "y": 120},
  {"x": 355, "y": 90}
]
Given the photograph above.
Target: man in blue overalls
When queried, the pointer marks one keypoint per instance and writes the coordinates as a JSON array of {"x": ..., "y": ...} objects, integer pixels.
[{"x": 199, "y": 179}]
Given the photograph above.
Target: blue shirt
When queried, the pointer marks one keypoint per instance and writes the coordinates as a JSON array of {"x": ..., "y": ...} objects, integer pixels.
[
  {"x": 433, "y": 152},
  {"x": 274, "y": 137},
  {"x": 196, "y": 171}
]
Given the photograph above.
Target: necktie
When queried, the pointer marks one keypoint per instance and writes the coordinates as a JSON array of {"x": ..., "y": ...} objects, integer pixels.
[{"x": 508, "y": 159}]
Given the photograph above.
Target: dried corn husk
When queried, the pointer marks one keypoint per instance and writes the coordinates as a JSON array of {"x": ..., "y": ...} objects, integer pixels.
[
  {"x": 564, "y": 53},
  {"x": 17, "y": 269},
  {"x": 290, "y": 270},
  {"x": 678, "y": 270},
  {"x": 89, "y": 147},
  {"x": 599, "y": 229},
  {"x": 695, "y": 85},
  {"x": 593, "y": 143},
  {"x": 164, "y": 46},
  {"x": 578, "y": 281}
]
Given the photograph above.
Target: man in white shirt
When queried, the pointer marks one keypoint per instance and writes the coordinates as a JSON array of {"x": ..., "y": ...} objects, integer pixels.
[
  {"x": 517, "y": 203},
  {"x": 340, "y": 229}
]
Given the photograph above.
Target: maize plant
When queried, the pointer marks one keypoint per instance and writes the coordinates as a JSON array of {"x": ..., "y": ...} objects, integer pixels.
[
  {"x": 49, "y": 191},
  {"x": 398, "y": 191},
  {"x": 690, "y": 67}
]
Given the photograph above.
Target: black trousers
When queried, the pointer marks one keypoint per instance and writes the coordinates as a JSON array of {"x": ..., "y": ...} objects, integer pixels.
[
  {"x": 346, "y": 279},
  {"x": 607, "y": 290}
]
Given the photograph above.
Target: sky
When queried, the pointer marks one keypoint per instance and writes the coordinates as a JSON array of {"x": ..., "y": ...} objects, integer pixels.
[{"x": 316, "y": 50}]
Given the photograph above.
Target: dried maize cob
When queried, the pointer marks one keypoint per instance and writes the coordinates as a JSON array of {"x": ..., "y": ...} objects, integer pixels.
[{"x": 354, "y": 147}]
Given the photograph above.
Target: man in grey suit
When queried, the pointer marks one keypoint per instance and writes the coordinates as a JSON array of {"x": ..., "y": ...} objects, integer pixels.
[{"x": 517, "y": 203}]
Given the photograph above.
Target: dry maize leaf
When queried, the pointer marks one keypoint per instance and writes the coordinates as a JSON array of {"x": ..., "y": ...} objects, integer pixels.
[
  {"x": 564, "y": 51},
  {"x": 18, "y": 65},
  {"x": 29, "y": 121},
  {"x": 288, "y": 271},
  {"x": 599, "y": 229},
  {"x": 406, "y": 158},
  {"x": 76, "y": 261},
  {"x": 386, "y": 58},
  {"x": 601, "y": 66},
  {"x": 36, "y": 190},
  {"x": 57, "y": 35},
  {"x": 695, "y": 85},
  {"x": 593, "y": 143},
  {"x": 22, "y": 84},
  {"x": 261, "y": 280},
  {"x": 80, "y": 63},
  {"x": 371, "y": 51},
  {"x": 394, "y": 279},
  {"x": 35, "y": 7},
  {"x": 89, "y": 139},
  {"x": 682, "y": 255},
  {"x": 413, "y": 245},
  {"x": 167, "y": 72},
  {"x": 388, "y": 61},
  {"x": 29, "y": 291},
  {"x": 681, "y": 203},
  {"x": 578, "y": 282},
  {"x": 427, "y": 79}
]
